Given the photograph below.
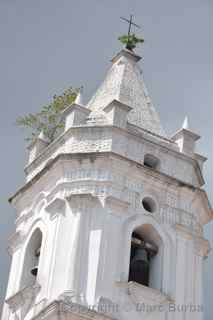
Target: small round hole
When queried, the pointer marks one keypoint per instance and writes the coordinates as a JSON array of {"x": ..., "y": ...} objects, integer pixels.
[{"x": 149, "y": 204}]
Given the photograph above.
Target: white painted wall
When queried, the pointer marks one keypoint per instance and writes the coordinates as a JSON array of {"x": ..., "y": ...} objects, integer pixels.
[{"x": 88, "y": 202}]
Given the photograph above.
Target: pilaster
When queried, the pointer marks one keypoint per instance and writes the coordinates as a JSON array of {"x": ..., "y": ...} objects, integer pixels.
[{"x": 81, "y": 272}]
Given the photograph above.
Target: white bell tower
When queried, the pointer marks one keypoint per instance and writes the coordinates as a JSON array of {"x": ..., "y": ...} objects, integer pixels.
[{"x": 110, "y": 221}]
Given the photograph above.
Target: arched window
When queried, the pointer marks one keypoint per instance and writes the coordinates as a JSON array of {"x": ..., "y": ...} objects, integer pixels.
[
  {"x": 31, "y": 260},
  {"x": 146, "y": 257},
  {"x": 151, "y": 161}
]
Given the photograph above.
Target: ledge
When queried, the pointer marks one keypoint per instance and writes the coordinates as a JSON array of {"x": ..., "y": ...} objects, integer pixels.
[
  {"x": 15, "y": 242},
  {"x": 183, "y": 131},
  {"x": 126, "y": 53},
  {"x": 76, "y": 107},
  {"x": 131, "y": 130},
  {"x": 56, "y": 207},
  {"x": 109, "y": 155},
  {"x": 118, "y": 104},
  {"x": 23, "y": 296},
  {"x": 118, "y": 207},
  {"x": 139, "y": 293},
  {"x": 63, "y": 311}
]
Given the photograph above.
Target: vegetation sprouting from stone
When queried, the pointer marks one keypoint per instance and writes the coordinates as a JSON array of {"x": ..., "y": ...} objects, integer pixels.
[
  {"x": 130, "y": 41},
  {"x": 50, "y": 119}
]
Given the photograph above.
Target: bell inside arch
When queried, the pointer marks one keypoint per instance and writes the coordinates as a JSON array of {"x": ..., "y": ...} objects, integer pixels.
[
  {"x": 34, "y": 270},
  {"x": 141, "y": 253}
]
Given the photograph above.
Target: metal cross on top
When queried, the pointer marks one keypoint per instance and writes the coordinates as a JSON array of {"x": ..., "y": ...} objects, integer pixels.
[
  {"x": 131, "y": 23},
  {"x": 130, "y": 40}
]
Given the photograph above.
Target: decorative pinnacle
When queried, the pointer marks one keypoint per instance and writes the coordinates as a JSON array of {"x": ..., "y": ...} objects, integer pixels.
[
  {"x": 130, "y": 40},
  {"x": 43, "y": 137},
  {"x": 186, "y": 123},
  {"x": 79, "y": 98}
]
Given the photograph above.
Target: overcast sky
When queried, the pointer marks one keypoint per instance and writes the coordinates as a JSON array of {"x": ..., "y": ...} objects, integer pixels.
[{"x": 48, "y": 45}]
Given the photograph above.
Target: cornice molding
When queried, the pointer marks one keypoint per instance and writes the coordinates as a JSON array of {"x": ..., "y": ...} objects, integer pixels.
[
  {"x": 56, "y": 207},
  {"x": 63, "y": 310},
  {"x": 15, "y": 241},
  {"x": 149, "y": 296},
  {"x": 85, "y": 201},
  {"x": 202, "y": 247},
  {"x": 116, "y": 206},
  {"x": 22, "y": 297},
  {"x": 95, "y": 155},
  {"x": 140, "y": 133}
]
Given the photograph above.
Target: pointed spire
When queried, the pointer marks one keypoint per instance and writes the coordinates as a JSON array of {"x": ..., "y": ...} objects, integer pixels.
[
  {"x": 186, "y": 138},
  {"x": 79, "y": 97},
  {"x": 124, "y": 83},
  {"x": 186, "y": 123}
]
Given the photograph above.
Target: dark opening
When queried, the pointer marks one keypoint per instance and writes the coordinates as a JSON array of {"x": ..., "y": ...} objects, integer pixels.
[
  {"x": 151, "y": 161},
  {"x": 31, "y": 260},
  {"x": 34, "y": 270},
  {"x": 149, "y": 204},
  {"x": 141, "y": 255}
]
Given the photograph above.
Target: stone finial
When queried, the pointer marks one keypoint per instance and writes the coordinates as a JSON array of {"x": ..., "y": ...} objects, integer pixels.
[
  {"x": 186, "y": 139},
  {"x": 186, "y": 123},
  {"x": 37, "y": 146},
  {"x": 79, "y": 97},
  {"x": 76, "y": 113}
]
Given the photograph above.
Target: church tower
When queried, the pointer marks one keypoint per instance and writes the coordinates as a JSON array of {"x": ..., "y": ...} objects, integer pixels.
[{"x": 110, "y": 220}]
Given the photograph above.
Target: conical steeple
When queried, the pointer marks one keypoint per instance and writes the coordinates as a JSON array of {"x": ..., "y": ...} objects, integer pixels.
[{"x": 124, "y": 82}]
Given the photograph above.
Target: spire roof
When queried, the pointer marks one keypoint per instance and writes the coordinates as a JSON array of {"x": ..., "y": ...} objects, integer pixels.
[{"x": 124, "y": 82}]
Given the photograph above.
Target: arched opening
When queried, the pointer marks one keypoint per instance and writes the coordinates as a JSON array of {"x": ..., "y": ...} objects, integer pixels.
[
  {"x": 146, "y": 257},
  {"x": 31, "y": 260},
  {"x": 151, "y": 161}
]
